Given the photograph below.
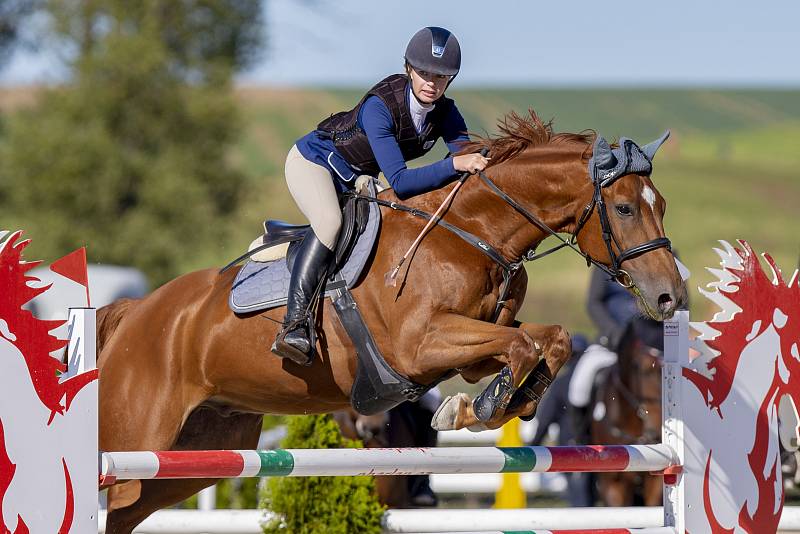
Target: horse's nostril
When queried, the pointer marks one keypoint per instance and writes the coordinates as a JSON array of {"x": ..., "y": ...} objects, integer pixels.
[{"x": 664, "y": 301}]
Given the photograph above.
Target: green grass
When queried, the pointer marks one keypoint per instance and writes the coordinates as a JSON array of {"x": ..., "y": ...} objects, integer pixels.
[{"x": 729, "y": 171}]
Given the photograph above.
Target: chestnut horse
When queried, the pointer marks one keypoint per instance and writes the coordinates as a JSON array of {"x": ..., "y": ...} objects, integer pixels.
[
  {"x": 628, "y": 411},
  {"x": 179, "y": 370}
]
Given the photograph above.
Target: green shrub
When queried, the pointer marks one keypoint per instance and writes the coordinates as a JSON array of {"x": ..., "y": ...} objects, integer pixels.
[{"x": 321, "y": 505}]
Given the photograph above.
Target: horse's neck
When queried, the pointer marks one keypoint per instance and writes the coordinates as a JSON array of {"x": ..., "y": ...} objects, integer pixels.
[{"x": 547, "y": 184}]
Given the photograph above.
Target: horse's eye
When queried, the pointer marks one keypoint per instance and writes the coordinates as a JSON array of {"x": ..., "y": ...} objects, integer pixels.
[{"x": 624, "y": 209}]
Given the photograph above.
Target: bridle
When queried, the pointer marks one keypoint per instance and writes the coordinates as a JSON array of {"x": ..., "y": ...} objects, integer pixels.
[
  {"x": 509, "y": 268},
  {"x": 614, "y": 270}
]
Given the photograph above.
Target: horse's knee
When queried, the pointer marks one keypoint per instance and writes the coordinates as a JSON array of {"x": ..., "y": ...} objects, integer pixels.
[
  {"x": 560, "y": 347},
  {"x": 524, "y": 351}
]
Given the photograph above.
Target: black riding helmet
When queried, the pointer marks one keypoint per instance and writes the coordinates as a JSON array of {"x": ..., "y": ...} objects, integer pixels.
[{"x": 434, "y": 50}]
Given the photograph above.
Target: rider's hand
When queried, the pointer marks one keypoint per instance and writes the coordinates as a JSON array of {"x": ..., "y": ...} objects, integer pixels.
[{"x": 470, "y": 163}]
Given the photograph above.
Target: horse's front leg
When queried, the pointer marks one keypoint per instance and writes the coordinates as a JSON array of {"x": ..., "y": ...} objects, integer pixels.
[
  {"x": 556, "y": 348},
  {"x": 553, "y": 343},
  {"x": 453, "y": 342}
]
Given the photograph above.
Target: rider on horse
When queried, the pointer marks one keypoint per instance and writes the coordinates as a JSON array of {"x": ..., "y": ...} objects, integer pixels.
[{"x": 398, "y": 120}]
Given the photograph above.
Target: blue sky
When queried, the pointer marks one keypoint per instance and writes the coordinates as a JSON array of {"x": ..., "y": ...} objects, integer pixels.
[{"x": 524, "y": 43}]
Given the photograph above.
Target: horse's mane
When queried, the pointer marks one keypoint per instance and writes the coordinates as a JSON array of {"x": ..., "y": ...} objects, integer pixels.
[{"x": 520, "y": 132}]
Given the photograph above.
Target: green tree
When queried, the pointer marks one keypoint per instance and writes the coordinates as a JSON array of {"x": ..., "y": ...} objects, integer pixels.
[
  {"x": 131, "y": 157},
  {"x": 321, "y": 505}
]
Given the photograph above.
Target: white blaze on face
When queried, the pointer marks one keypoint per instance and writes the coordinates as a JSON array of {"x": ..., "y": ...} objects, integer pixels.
[{"x": 649, "y": 196}]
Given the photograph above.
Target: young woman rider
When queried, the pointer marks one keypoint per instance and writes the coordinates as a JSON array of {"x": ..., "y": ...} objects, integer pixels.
[{"x": 398, "y": 120}]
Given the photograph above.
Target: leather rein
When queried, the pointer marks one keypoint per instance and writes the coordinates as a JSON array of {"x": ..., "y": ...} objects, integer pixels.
[{"x": 509, "y": 268}]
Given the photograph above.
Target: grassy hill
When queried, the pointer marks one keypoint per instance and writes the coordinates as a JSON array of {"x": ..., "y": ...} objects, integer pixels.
[{"x": 728, "y": 172}]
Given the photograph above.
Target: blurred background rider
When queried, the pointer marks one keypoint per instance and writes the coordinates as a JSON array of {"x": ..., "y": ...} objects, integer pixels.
[
  {"x": 611, "y": 308},
  {"x": 398, "y": 120}
]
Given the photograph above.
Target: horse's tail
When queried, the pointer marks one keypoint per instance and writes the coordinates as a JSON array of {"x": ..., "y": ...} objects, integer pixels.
[{"x": 108, "y": 318}]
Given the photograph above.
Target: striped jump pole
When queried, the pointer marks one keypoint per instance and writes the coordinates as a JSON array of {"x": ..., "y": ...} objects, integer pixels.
[{"x": 357, "y": 462}]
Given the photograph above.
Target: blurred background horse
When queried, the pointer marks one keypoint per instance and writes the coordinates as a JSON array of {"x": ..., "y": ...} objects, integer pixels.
[{"x": 627, "y": 410}]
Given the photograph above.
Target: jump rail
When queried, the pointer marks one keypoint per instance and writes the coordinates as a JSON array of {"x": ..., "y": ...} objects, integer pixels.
[
  {"x": 577, "y": 521},
  {"x": 359, "y": 462},
  {"x": 434, "y": 521}
]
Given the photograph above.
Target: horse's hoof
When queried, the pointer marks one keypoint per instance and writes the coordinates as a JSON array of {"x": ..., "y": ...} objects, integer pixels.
[
  {"x": 443, "y": 417},
  {"x": 478, "y": 427},
  {"x": 446, "y": 416}
]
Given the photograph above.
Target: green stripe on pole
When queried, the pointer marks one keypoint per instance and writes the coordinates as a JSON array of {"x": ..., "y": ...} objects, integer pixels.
[
  {"x": 275, "y": 463},
  {"x": 518, "y": 459}
]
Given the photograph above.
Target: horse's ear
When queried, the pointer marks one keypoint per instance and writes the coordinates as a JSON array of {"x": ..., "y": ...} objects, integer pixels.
[
  {"x": 650, "y": 149},
  {"x": 603, "y": 157}
]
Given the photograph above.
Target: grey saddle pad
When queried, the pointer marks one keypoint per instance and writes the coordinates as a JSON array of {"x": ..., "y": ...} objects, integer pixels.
[{"x": 262, "y": 286}]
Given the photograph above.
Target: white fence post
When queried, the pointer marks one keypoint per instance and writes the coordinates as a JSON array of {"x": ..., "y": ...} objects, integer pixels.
[
  {"x": 207, "y": 498},
  {"x": 676, "y": 355},
  {"x": 82, "y": 445}
]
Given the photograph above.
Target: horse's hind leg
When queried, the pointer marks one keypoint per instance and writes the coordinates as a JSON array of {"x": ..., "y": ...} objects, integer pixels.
[{"x": 204, "y": 429}]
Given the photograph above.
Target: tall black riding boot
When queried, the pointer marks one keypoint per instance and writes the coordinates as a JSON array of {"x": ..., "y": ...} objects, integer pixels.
[{"x": 310, "y": 266}]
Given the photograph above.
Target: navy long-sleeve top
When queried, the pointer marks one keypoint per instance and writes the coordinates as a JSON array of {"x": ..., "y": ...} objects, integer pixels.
[{"x": 376, "y": 121}]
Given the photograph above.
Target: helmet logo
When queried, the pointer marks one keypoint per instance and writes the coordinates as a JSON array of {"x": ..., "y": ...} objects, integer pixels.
[{"x": 437, "y": 51}]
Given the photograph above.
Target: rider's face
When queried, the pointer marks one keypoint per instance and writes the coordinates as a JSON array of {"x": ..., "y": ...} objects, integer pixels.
[{"x": 428, "y": 87}]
